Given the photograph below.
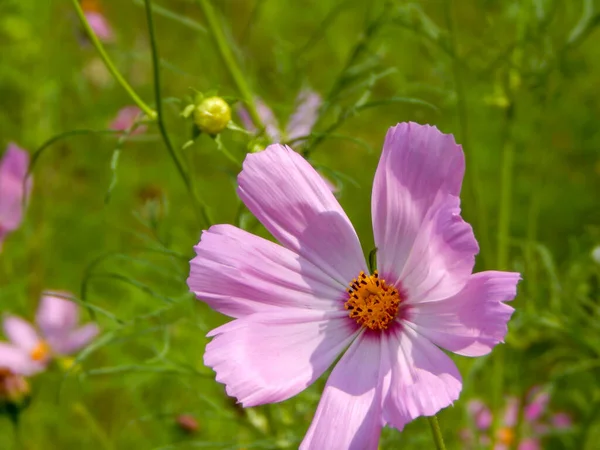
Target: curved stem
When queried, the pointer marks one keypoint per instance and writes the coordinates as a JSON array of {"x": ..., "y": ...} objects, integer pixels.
[
  {"x": 109, "y": 64},
  {"x": 437, "y": 433},
  {"x": 161, "y": 124},
  {"x": 230, "y": 62}
]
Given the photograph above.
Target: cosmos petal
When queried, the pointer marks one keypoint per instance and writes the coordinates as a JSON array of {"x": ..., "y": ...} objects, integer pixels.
[
  {"x": 421, "y": 239},
  {"x": 474, "y": 320},
  {"x": 423, "y": 378},
  {"x": 18, "y": 361},
  {"x": 349, "y": 413},
  {"x": 75, "y": 340},
  {"x": 270, "y": 357},
  {"x": 20, "y": 333},
  {"x": 295, "y": 204},
  {"x": 13, "y": 170},
  {"x": 238, "y": 273},
  {"x": 304, "y": 117},
  {"x": 55, "y": 315}
]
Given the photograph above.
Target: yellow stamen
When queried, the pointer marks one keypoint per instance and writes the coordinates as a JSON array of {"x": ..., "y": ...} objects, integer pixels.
[
  {"x": 372, "y": 302},
  {"x": 40, "y": 352}
]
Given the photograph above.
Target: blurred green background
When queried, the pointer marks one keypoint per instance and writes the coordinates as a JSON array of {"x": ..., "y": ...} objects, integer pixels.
[{"x": 516, "y": 82}]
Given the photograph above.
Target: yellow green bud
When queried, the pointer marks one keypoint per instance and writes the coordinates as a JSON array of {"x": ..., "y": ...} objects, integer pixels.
[{"x": 212, "y": 115}]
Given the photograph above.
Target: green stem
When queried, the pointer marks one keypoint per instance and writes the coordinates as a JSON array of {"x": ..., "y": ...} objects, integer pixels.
[
  {"x": 473, "y": 185},
  {"x": 109, "y": 64},
  {"x": 84, "y": 413},
  {"x": 437, "y": 433},
  {"x": 160, "y": 121},
  {"x": 504, "y": 209},
  {"x": 230, "y": 62}
]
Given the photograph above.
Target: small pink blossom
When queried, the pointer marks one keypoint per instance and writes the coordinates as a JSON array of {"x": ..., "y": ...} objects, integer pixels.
[
  {"x": 13, "y": 170},
  {"x": 29, "y": 351},
  {"x": 480, "y": 413},
  {"x": 300, "y": 305},
  {"x": 561, "y": 421},
  {"x": 125, "y": 119},
  {"x": 99, "y": 26},
  {"x": 299, "y": 126},
  {"x": 300, "y": 123}
]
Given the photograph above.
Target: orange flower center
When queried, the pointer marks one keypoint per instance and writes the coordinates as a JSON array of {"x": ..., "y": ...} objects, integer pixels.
[
  {"x": 506, "y": 436},
  {"x": 372, "y": 302},
  {"x": 40, "y": 352}
]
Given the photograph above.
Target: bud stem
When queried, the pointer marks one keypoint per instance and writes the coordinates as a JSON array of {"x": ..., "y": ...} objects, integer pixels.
[
  {"x": 230, "y": 62},
  {"x": 109, "y": 64},
  {"x": 199, "y": 206}
]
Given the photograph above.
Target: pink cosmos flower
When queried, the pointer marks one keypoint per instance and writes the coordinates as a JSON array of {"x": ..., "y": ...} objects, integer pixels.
[
  {"x": 300, "y": 123},
  {"x": 126, "y": 118},
  {"x": 30, "y": 351},
  {"x": 100, "y": 26},
  {"x": 13, "y": 170},
  {"x": 300, "y": 305}
]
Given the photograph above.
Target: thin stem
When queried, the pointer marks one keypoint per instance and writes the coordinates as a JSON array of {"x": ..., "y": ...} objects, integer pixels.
[
  {"x": 436, "y": 432},
  {"x": 504, "y": 209},
  {"x": 80, "y": 409},
  {"x": 109, "y": 64},
  {"x": 230, "y": 62},
  {"x": 473, "y": 185},
  {"x": 160, "y": 121}
]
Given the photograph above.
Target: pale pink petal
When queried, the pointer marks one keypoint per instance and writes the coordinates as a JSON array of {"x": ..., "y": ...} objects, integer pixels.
[
  {"x": 481, "y": 414},
  {"x": 125, "y": 119},
  {"x": 270, "y": 357},
  {"x": 293, "y": 202},
  {"x": 266, "y": 116},
  {"x": 561, "y": 421},
  {"x": 99, "y": 26},
  {"x": 530, "y": 444},
  {"x": 18, "y": 361},
  {"x": 511, "y": 412},
  {"x": 75, "y": 340},
  {"x": 349, "y": 412},
  {"x": 238, "y": 273},
  {"x": 473, "y": 321},
  {"x": 537, "y": 405},
  {"x": 424, "y": 379},
  {"x": 21, "y": 333},
  {"x": 13, "y": 170},
  {"x": 56, "y": 316},
  {"x": 423, "y": 244},
  {"x": 302, "y": 121}
]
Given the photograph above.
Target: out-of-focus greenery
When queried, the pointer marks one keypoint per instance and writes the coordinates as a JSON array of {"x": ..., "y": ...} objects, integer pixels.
[{"x": 515, "y": 81}]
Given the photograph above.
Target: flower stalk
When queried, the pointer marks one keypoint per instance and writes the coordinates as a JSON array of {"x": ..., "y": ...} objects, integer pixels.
[
  {"x": 110, "y": 65},
  {"x": 200, "y": 206},
  {"x": 436, "y": 432},
  {"x": 230, "y": 62}
]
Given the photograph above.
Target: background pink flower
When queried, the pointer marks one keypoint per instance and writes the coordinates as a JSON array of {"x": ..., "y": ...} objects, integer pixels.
[
  {"x": 13, "y": 170},
  {"x": 100, "y": 25},
  {"x": 300, "y": 123},
  {"x": 29, "y": 351},
  {"x": 125, "y": 119},
  {"x": 299, "y": 306},
  {"x": 536, "y": 421}
]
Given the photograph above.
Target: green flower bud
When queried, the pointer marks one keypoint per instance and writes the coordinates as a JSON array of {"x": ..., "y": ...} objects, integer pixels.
[{"x": 212, "y": 115}]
